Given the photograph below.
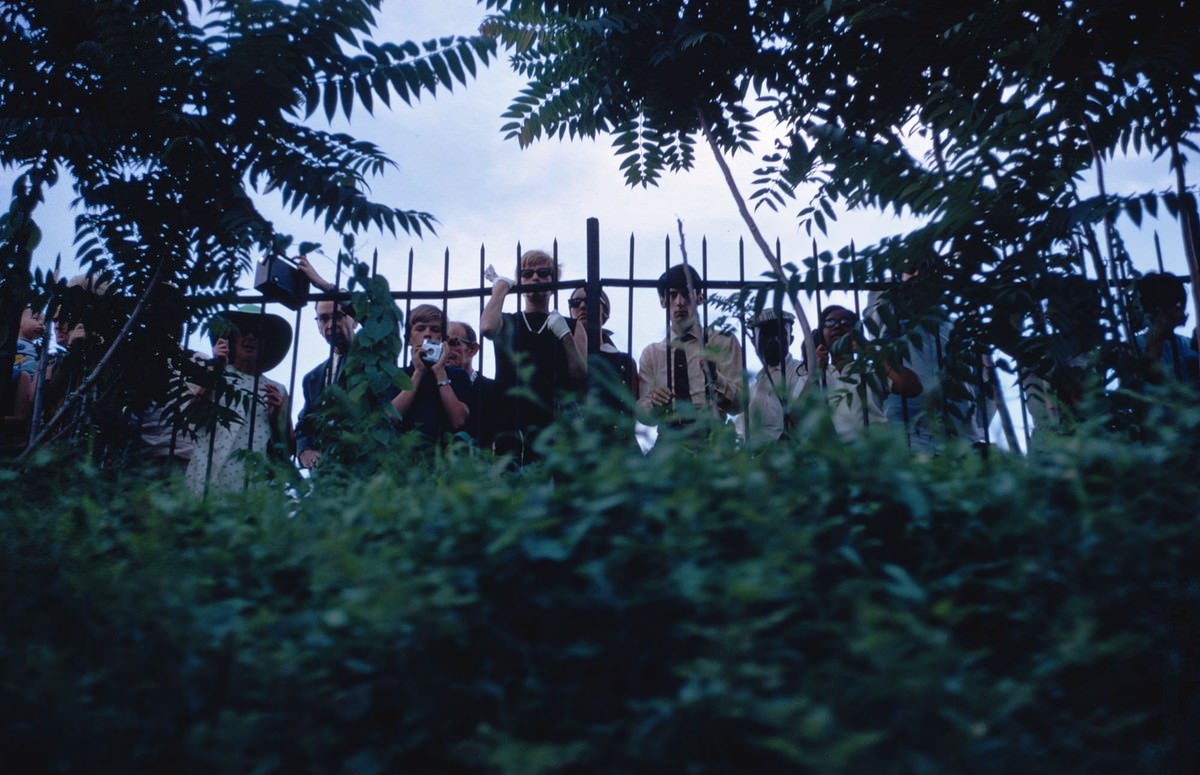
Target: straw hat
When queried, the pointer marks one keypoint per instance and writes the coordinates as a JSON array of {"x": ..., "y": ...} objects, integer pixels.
[{"x": 273, "y": 332}]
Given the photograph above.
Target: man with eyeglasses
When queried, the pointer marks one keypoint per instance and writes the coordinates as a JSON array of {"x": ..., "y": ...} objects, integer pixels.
[
  {"x": 336, "y": 325},
  {"x": 461, "y": 347},
  {"x": 691, "y": 373},
  {"x": 854, "y": 402},
  {"x": 538, "y": 351}
]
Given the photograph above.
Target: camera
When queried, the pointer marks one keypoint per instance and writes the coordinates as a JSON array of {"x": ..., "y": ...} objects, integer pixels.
[
  {"x": 431, "y": 351},
  {"x": 280, "y": 280}
]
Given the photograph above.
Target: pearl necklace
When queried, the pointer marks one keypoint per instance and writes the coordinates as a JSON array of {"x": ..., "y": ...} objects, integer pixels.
[{"x": 540, "y": 330}]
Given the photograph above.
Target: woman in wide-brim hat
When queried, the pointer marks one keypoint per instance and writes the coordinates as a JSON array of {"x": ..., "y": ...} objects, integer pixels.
[{"x": 246, "y": 343}]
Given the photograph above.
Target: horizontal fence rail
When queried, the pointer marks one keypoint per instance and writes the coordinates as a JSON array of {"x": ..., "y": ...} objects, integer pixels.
[{"x": 817, "y": 290}]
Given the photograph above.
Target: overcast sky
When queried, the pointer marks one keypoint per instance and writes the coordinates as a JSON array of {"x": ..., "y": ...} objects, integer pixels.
[{"x": 485, "y": 191}]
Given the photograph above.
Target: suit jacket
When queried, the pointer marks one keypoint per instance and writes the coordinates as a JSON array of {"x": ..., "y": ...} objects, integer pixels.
[
  {"x": 312, "y": 386},
  {"x": 479, "y": 423}
]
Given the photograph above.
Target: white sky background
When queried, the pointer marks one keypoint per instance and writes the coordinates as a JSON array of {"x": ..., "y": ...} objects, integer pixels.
[{"x": 453, "y": 162}]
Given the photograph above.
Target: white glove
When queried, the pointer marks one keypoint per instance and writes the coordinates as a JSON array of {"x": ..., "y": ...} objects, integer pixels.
[
  {"x": 490, "y": 275},
  {"x": 557, "y": 324}
]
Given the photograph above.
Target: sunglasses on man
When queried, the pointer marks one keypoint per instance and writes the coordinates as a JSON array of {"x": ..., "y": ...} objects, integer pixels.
[{"x": 542, "y": 273}]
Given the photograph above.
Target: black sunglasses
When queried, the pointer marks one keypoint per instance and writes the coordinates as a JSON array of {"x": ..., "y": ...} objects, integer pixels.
[
  {"x": 542, "y": 272},
  {"x": 840, "y": 322}
]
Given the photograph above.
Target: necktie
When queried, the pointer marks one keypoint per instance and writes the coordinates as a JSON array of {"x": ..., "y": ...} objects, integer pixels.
[
  {"x": 683, "y": 391},
  {"x": 335, "y": 364}
]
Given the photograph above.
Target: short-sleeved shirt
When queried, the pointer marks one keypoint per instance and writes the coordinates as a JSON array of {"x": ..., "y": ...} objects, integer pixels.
[{"x": 26, "y": 359}]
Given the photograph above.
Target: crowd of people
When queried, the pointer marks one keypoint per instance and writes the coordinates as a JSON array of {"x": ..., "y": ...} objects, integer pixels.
[{"x": 692, "y": 379}]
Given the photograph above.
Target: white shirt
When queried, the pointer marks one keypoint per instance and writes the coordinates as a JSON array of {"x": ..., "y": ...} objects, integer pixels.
[{"x": 775, "y": 389}]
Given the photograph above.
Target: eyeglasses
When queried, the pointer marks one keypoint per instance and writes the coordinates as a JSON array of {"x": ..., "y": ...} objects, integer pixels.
[
  {"x": 329, "y": 317},
  {"x": 575, "y": 303},
  {"x": 455, "y": 341},
  {"x": 542, "y": 273},
  {"x": 840, "y": 322}
]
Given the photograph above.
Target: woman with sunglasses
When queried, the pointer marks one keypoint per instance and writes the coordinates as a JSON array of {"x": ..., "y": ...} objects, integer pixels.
[
  {"x": 854, "y": 402},
  {"x": 537, "y": 350}
]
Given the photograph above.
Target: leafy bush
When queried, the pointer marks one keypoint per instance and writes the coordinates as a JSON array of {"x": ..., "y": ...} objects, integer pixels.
[{"x": 817, "y": 607}]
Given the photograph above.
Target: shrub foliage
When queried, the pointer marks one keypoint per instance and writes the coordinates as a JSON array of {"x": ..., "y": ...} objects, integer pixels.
[{"x": 814, "y": 607}]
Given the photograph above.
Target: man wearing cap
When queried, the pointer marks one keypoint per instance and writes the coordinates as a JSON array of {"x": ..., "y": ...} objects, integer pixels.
[
  {"x": 246, "y": 343},
  {"x": 691, "y": 372},
  {"x": 778, "y": 385},
  {"x": 336, "y": 325}
]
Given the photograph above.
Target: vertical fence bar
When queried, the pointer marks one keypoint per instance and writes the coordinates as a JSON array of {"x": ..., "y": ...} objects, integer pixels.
[
  {"x": 482, "y": 293},
  {"x": 593, "y": 285},
  {"x": 816, "y": 290},
  {"x": 291, "y": 391},
  {"x": 704, "y": 273},
  {"x": 854, "y": 280},
  {"x": 407, "y": 310},
  {"x": 629, "y": 313},
  {"x": 262, "y": 311},
  {"x": 667, "y": 318},
  {"x": 745, "y": 407},
  {"x": 557, "y": 271},
  {"x": 519, "y": 281},
  {"x": 445, "y": 294}
]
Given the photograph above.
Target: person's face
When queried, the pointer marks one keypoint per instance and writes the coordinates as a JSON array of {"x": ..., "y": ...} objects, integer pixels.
[
  {"x": 33, "y": 325},
  {"x": 772, "y": 342},
  {"x": 535, "y": 269},
  {"x": 245, "y": 351},
  {"x": 578, "y": 305},
  {"x": 676, "y": 304},
  {"x": 336, "y": 326},
  {"x": 62, "y": 330},
  {"x": 425, "y": 329},
  {"x": 838, "y": 323},
  {"x": 1173, "y": 314},
  {"x": 459, "y": 351}
]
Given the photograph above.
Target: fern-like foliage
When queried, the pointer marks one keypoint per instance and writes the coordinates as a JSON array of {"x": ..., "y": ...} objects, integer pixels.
[{"x": 166, "y": 115}]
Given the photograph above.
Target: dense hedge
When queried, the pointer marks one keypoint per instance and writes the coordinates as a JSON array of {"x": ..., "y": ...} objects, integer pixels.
[{"x": 818, "y": 607}]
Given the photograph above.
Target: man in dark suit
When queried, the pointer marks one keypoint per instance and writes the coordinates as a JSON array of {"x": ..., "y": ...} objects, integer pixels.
[
  {"x": 337, "y": 327},
  {"x": 462, "y": 345}
]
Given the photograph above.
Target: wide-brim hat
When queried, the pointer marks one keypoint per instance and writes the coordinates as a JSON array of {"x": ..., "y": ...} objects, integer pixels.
[{"x": 274, "y": 334}]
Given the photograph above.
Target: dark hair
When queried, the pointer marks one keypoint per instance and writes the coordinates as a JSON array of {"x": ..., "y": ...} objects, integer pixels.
[
  {"x": 426, "y": 313},
  {"x": 675, "y": 277},
  {"x": 1159, "y": 290},
  {"x": 832, "y": 308},
  {"x": 603, "y": 297}
]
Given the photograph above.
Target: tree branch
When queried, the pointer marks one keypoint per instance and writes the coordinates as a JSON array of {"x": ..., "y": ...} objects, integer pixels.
[{"x": 810, "y": 349}]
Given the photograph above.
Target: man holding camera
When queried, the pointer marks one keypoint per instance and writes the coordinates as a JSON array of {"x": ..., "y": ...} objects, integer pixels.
[{"x": 437, "y": 402}]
